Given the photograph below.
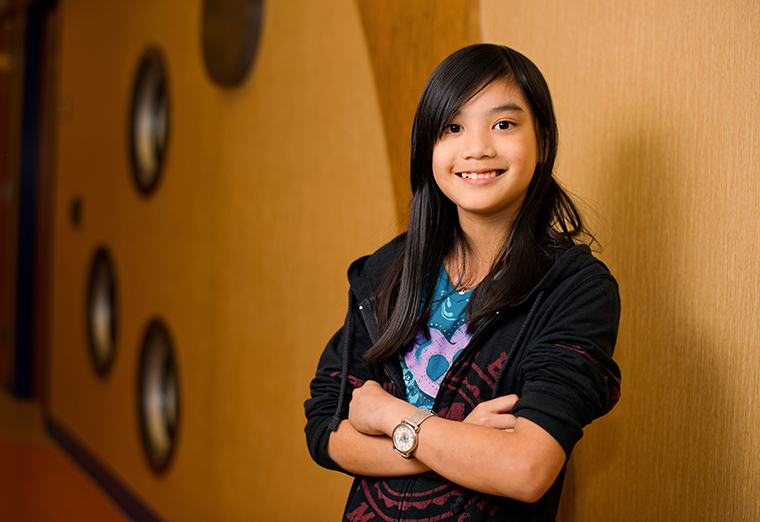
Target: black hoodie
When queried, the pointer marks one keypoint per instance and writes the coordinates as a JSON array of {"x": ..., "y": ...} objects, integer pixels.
[{"x": 553, "y": 349}]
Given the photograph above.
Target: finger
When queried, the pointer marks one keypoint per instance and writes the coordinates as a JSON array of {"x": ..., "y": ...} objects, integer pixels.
[
  {"x": 500, "y": 404},
  {"x": 508, "y": 401},
  {"x": 503, "y": 421}
]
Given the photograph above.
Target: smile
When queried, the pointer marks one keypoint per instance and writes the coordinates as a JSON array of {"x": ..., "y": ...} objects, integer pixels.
[{"x": 480, "y": 175}]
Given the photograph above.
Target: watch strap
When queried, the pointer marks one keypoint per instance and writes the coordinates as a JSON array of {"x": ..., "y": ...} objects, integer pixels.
[{"x": 418, "y": 417}]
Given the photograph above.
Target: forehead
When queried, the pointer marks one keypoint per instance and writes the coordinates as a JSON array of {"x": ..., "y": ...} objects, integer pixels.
[{"x": 497, "y": 96}]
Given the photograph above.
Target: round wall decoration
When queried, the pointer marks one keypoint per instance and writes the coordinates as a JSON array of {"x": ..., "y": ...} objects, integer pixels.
[
  {"x": 231, "y": 30},
  {"x": 149, "y": 121},
  {"x": 158, "y": 395},
  {"x": 101, "y": 311}
]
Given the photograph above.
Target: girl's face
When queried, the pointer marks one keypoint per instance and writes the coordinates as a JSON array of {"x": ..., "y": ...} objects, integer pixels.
[{"x": 487, "y": 156}]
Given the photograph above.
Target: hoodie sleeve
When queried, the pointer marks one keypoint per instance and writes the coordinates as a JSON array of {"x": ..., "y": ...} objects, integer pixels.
[
  {"x": 567, "y": 377},
  {"x": 330, "y": 392}
]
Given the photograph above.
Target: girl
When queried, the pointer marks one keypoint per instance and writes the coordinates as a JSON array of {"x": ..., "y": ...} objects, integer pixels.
[{"x": 478, "y": 344}]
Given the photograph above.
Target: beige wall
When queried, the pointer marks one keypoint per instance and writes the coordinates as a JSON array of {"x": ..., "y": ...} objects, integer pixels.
[{"x": 659, "y": 107}]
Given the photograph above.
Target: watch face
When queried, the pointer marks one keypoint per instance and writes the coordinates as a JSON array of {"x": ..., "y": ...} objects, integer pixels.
[{"x": 403, "y": 438}]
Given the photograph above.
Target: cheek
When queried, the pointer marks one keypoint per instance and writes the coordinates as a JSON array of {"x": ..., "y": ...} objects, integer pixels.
[
  {"x": 438, "y": 154},
  {"x": 440, "y": 164},
  {"x": 526, "y": 154},
  {"x": 445, "y": 150}
]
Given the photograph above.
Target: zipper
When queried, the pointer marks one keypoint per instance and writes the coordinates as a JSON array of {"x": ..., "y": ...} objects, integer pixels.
[{"x": 393, "y": 371}]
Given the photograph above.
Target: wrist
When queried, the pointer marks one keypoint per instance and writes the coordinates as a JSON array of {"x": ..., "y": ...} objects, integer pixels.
[{"x": 396, "y": 412}]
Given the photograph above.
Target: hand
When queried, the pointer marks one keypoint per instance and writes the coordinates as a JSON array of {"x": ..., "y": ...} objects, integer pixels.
[
  {"x": 374, "y": 411},
  {"x": 494, "y": 413}
]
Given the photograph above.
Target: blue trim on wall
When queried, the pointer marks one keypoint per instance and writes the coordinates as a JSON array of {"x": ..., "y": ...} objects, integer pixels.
[{"x": 23, "y": 380}]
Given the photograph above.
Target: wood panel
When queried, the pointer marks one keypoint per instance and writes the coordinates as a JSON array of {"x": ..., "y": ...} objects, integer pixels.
[
  {"x": 269, "y": 191},
  {"x": 406, "y": 41},
  {"x": 658, "y": 106}
]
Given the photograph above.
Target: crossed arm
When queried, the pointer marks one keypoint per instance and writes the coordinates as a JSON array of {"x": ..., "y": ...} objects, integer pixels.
[{"x": 491, "y": 451}]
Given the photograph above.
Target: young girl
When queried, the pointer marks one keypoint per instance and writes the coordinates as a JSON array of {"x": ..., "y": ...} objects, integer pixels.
[{"x": 478, "y": 344}]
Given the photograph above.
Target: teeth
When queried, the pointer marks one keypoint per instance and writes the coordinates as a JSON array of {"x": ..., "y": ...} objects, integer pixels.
[{"x": 472, "y": 175}]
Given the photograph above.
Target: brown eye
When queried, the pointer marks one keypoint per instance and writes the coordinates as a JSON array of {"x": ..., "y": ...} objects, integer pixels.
[
  {"x": 453, "y": 127},
  {"x": 504, "y": 125}
]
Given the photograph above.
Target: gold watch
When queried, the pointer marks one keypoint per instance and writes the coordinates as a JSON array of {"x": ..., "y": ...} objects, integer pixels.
[{"x": 405, "y": 434}]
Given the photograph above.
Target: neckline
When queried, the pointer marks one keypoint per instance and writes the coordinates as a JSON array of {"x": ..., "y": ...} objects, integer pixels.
[{"x": 450, "y": 288}]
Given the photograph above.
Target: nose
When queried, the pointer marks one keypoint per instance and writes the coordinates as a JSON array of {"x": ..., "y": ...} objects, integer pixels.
[{"x": 478, "y": 144}]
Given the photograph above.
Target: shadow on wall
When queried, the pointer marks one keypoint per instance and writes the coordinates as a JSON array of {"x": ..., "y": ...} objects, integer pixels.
[{"x": 668, "y": 433}]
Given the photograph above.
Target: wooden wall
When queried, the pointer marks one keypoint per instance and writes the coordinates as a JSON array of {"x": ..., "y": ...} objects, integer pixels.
[
  {"x": 659, "y": 107},
  {"x": 269, "y": 191},
  {"x": 406, "y": 41},
  {"x": 273, "y": 187}
]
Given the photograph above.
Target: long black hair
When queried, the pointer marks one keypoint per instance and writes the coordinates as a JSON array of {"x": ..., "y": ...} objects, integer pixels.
[{"x": 547, "y": 215}]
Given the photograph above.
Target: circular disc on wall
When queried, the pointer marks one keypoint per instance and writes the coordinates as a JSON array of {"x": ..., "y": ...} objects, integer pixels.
[
  {"x": 158, "y": 395},
  {"x": 231, "y": 30},
  {"x": 101, "y": 311},
  {"x": 149, "y": 121}
]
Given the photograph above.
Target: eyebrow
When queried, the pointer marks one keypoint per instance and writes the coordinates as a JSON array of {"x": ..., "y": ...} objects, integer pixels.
[{"x": 507, "y": 107}]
